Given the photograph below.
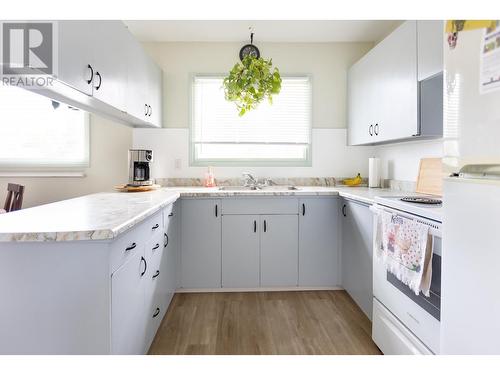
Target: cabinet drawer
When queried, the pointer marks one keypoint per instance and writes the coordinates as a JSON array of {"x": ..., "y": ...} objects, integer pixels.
[
  {"x": 125, "y": 245},
  {"x": 154, "y": 252},
  {"x": 168, "y": 213},
  {"x": 258, "y": 206},
  {"x": 154, "y": 225},
  {"x": 391, "y": 336}
]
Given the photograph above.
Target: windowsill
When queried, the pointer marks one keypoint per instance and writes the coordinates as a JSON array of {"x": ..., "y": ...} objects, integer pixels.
[{"x": 42, "y": 174}]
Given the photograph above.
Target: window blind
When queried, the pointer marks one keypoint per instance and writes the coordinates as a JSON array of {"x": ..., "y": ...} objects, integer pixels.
[
  {"x": 277, "y": 132},
  {"x": 36, "y": 132}
]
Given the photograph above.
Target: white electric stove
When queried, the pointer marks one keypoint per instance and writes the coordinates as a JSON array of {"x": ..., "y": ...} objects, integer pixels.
[
  {"x": 426, "y": 206},
  {"x": 405, "y": 323}
]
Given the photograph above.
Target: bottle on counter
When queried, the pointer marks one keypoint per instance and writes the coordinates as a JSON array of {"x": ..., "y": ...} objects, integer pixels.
[{"x": 209, "y": 178}]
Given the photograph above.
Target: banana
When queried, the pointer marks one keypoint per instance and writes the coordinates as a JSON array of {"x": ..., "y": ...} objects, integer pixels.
[{"x": 353, "y": 181}]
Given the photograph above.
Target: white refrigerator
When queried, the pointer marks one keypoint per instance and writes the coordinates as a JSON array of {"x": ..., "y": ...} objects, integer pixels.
[{"x": 470, "y": 284}]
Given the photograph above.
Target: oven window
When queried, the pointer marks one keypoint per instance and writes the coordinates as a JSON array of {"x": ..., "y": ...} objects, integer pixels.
[{"x": 431, "y": 304}]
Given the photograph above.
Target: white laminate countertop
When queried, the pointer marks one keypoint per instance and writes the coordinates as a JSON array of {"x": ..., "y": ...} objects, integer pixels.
[
  {"x": 100, "y": 216},
  {"x": 104, "y": 216}
]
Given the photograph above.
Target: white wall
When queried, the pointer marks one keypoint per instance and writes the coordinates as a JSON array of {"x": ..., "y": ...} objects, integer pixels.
[
  {"x": 109, "y": 144},
  {"x": 327, "y": 63},
  {"x": 401, "y": 161},
  {"x": 330, "y": 156}
]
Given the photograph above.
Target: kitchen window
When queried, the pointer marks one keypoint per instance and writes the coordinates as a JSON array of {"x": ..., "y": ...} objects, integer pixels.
[
  {"x": 38, "y": 134},
  {"x": 271, "y": 135}
]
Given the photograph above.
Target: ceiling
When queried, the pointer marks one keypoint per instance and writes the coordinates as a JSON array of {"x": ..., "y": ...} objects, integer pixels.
[{"x": 265, "y": 31}]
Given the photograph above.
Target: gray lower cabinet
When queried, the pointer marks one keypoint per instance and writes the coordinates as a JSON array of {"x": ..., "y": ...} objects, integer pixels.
[
  {"x": 318, "y": 242},
  {"x": 357, "y": 245},
  {"x": 200, "y": 243},
  {"x": 170, "y": 262},
  {"x": 240, "y": 251},
  {"x": 279, "y": 250},
  {"x": 128, "y": 313}
]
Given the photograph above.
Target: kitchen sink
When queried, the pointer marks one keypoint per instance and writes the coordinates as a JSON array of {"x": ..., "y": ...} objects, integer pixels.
[
  {"x": 278, "y": 187},
  {"x": 237, "y": 188},
  {"x": 263, "y": 188}
]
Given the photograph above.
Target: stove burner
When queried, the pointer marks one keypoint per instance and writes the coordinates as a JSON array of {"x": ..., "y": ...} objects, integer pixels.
[{"x": 422, "y": 200}]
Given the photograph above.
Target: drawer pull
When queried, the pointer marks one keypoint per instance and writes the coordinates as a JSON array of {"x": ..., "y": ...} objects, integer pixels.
[
  {"x": 165, "y": 243},
  {"x": 156, "y": 246},
  {"x": 131, "y": 247},
  {"x": 145, "y": 266},
  {"x": 156, "y": 274},
  {"x": 156, "y": 227},
  {"x": 171, "y": 214},
  {"x": 157, "y": 312}
]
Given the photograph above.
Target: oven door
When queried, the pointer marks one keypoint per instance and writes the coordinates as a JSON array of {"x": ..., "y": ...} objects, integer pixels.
[{"x": 418, "y": 313}]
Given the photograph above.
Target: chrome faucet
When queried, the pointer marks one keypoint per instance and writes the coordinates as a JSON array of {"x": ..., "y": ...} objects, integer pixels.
[
  {"x": 269, "y": 182},
  {"x": 249, "y": 180}
]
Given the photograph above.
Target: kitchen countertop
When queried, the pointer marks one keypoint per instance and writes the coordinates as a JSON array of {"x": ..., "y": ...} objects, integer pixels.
[
  {"x": 104, "y": 216},
  {"x": 100, "y": 216}
]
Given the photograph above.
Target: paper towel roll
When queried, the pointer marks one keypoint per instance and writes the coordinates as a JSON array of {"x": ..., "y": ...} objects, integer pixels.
[{"x": 374, "y": 172}]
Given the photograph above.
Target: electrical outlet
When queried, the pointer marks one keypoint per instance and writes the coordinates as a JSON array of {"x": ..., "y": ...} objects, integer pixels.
[{"x": 178, "y": 163}]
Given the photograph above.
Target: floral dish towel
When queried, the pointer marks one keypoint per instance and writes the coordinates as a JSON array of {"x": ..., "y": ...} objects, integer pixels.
[{"x": 405, "y": 247}]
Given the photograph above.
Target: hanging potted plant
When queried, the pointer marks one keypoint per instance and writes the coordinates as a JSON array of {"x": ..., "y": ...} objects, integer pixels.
[{"x": 251, "y": 80}]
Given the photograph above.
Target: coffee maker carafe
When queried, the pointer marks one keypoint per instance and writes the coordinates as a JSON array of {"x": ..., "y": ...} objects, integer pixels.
[{"x": 139, "y": 168}]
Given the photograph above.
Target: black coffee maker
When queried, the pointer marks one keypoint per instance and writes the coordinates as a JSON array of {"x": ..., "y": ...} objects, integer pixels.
[{"x": 139, "y": 168}]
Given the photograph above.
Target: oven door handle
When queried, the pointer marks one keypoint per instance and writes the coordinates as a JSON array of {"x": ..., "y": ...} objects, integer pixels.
[{"x": 375, "y": 208}]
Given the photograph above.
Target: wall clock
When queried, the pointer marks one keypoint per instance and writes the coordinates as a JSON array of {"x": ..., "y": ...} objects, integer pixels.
[{"x": 249, "y": 50}]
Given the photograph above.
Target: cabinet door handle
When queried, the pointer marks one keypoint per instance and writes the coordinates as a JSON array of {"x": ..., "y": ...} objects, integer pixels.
[
  {"x": 171, "y": 214},
  {"x": 303, "y": 209},
  {"x": 375, "y": 129},
  {"x": 343, "y": 210},
  {"x": 156, "y": 246},
  {"x": 157, "y": 273},
  {"x": 216, "y": 210},
  {"x": 156, "y": 226},
  {"x": 370, "y": 130},
  {"x": 146, "y": 109},
  {"x": 145, "y": 266},
  {"x": 157, "y": 312},
  {"x": 91, "y": 74},
  {"x": 150, "y": 111},
  {"x": 255, "y": 226},
  {"x": 97, "y": 87},
  {"x": 265, "y": 226},
  {"x": 166, "y": 240},
  {"x": 131, "y": 247}
]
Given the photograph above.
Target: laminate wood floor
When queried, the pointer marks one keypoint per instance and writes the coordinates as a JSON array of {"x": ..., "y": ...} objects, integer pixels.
[{"x": 311, "y": 322}]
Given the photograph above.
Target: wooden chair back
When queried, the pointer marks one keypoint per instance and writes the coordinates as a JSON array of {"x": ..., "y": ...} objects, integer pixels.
[{"x": 14, "y": 200}]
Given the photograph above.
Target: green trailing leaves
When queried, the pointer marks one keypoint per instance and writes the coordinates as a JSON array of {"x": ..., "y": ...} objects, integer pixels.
[{"x": 250, "y": 82}]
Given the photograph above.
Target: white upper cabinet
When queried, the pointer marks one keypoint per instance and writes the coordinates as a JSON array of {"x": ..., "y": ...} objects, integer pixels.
[
  {"x": 430, "y": 35},
  {"x": 383, "y": 95},
  {"x": 144, "y": 85},
  {"x": 395, "y": 88},
  {"x": 76, "y": 54},
  {"x": 110, "y": 63},
  {"x": 102, "y": 60},
  {"x": 92, "y": 59},
  {"x": 360, "y": 78}
]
